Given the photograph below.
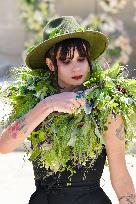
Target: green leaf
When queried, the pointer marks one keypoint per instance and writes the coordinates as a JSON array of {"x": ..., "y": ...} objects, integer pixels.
[
  {"x": 30, "y": 49},
  {"x": 81, "y": 29},
  {"x": 97, "y": 132},
  {"x": 108, "y": 82},
  {"x": 113, "y": 71}
]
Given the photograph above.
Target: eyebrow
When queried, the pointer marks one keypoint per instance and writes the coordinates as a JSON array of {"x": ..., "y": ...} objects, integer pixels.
[{"x": 62, "y": 59}]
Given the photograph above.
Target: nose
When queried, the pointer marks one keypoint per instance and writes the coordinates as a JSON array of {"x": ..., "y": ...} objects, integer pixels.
[{"x": 75, "y": 66}]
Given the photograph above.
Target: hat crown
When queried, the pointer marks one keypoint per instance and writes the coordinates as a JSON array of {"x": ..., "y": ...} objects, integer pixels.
[
  {"x": 59, "y": 26},
  {"x": 60, "y": 29}
]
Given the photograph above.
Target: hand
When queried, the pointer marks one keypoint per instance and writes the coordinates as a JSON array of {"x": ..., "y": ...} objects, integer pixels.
[{"x": 66, "y": 102}]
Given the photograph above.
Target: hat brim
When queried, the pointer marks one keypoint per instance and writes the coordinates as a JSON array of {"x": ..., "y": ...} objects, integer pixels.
[{"x": 98, "y": 43}]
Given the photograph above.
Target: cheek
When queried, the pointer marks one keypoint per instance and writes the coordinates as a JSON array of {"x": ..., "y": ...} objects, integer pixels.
[
  {"x": 62, "y": 72},
  {"x": 86, "y": 67}
]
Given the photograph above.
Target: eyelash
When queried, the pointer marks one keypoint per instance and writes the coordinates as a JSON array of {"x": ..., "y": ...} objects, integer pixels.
[
  {"x": 67, "y": 62},
  {"x": 81, "y": 60}
]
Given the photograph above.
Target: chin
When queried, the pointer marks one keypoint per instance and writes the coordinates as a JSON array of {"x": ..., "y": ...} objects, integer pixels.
[{"x": 77, "y": 83}]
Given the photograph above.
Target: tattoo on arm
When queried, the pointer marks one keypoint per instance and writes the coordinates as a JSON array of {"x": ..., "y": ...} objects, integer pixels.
[
  {"x": 18, "y": 125},
  {"x": 120, "y": 132},
  {"x": 130, "y": 198}
]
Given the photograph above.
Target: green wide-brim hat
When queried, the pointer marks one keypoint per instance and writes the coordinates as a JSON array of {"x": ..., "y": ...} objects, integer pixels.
[{"x": 60, "y": 29}]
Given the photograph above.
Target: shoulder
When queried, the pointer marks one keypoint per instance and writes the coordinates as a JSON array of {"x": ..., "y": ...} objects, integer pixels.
[
  {"x": 114, "y": 136},
  {"x": 115, "y": 125}
]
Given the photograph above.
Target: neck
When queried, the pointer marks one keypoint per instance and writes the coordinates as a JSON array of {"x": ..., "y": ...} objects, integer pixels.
[{"x": 70, "y": 89}]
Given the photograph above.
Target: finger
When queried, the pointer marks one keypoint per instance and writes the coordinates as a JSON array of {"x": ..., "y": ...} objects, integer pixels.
[
  {"x": 81, "y": 101},
  {"x": 76, "y": 103}
]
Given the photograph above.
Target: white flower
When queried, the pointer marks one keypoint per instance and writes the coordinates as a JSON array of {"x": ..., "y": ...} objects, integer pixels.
[
  {"x": 38, "y": 16},
  {"x": 112, "y": 5},
  {"x": 32, "y": 87},
  {"x": 46, "y": 146},
  {"x": 107, "y": 24},
  {"x": 120, "y": 26},
  {"x": 72, "y": 139},
  {"x": 55, "y": 166},
  {"x": 4, "y": 86},
  {"x": 71, "y": 142},
  {"x": 124, "y": 43},
  {"x": 38, "y": 95},
  {"x": 123, "y": 58}
]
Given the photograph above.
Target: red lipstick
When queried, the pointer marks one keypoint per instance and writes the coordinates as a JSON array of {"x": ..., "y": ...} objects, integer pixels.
[{"x": 77, "y": 77}]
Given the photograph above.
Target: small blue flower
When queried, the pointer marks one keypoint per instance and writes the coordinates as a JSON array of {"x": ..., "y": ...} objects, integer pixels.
[
  {"x": 103, "y": 84},
  {"x": 55, "y": 130},
  {"x": 83, "y": 155},
  {"x": 25, "y": 91},
  {"x": 9, "y": 94},
  {"x": 88, "y": 106},
  {"x": 39, "y": 144},
  {"x": 48, "y": 141},
  {"x": 79, "y": 94},
  {"x": 78, "y": 165}
]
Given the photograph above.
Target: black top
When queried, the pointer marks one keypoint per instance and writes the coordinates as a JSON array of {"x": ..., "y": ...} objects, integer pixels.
[{"x": 93, "y": 174}]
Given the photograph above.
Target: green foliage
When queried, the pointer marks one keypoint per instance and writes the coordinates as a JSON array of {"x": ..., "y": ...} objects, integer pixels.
[{"x": 77, "y": 137}]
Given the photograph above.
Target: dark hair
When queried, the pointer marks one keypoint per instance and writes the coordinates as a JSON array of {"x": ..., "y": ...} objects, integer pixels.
[{"x": 65, "y": 46}]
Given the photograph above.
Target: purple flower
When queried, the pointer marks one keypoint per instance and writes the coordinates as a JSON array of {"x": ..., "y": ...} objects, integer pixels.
[
  {"x": 88, "y": 107},
  {"x": 25, "y": 91},
  {"x": 39, "y": 144},
  {"x": 83, "y": 155},
  {"x": 78, "y": 165},
  {"x": 103, "y": 84},
  {"x": 118, "y": 87},
  {"x": 123, "y": 90},
  {"x": 48, "y": 141},
  {"x": 9, "y": 94}
]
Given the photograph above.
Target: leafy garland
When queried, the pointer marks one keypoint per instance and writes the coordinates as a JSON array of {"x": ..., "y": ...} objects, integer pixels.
[{"x": 60, "y": 138}]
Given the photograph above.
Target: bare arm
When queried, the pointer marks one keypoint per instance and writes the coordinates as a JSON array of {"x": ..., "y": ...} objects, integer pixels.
[
  {"x": 17, "y": 132},
  {"x": 115, "y": 146}
]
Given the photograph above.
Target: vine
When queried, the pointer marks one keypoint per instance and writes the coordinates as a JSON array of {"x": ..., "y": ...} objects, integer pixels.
[{"x": 60, "y": 138}]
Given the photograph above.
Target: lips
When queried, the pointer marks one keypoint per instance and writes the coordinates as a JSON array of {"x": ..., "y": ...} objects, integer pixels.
[{"x": 77, "y": 77}]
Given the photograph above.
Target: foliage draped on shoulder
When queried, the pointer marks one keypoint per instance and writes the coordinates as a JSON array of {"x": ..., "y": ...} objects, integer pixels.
[{"x": 60, "y": 138}]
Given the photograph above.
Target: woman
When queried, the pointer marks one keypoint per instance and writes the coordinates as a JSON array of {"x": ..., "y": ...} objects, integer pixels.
[{"x": 66, "y": 51}]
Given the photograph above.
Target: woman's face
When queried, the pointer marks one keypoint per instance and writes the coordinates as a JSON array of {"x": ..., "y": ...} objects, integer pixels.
[{"x": 77, "y": 67}]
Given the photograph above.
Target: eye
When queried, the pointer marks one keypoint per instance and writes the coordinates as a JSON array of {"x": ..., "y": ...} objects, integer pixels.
[
  {"x": 81, "y": 59},
  {"x": 67, "y": 61}
]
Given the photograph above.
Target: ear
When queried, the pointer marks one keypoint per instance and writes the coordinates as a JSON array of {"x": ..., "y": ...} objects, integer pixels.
[{"x": 49, "y": 64}]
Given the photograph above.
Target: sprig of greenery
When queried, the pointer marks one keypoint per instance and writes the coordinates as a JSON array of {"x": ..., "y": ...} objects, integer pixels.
[{"x": 60, "y": 138}]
